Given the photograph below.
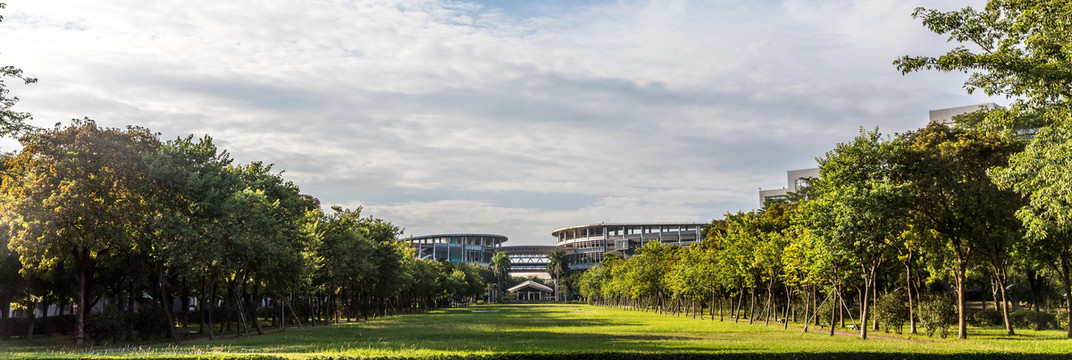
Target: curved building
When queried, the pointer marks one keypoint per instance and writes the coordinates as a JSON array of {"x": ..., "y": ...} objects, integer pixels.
[
  {"x": 469, "y": 248},
  {"x": 586, "y": 244}
]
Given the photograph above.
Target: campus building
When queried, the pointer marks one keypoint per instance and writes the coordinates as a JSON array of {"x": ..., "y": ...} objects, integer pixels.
[
  {"x": 945, "y": 116},
  {"x": 468, "y": 248},
  {"x": 586, "y": 244},
  {"x": 796, "y": 180}
]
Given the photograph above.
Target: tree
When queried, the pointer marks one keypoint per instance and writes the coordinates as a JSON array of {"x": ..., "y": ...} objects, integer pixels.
[
  {"x": 1041, "y": 174},
  {"x": 557, "y": 265},
  {"x": 11, "y": 122},
  {"x": 77, "y": 198},
  {"x": 500, "y": 266},
  {"x": 857, "y": 206},
  {"x": 947, "y": 170},
  {"x": 1020, "y": 51},
  {"x": 190, "y": 185}
]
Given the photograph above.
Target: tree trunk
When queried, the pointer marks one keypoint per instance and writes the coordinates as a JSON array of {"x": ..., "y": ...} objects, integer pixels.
[
  {"x": 911, "y": 308},
  {"x": 788, "y": 307},
  {"x": 210, "y": 307},
  {"x": 740, "y": 302},
  {"x": 164, "y": 304},
  {"x": 869, "y": 282},
  {"x": 33, "y": 320},
  {"x": 834, "y": 308},
  {"x": 770, "y": 300},
  {"x": 751, "y": 305},
  {"x": 999, "y": 275},
  {"x": 80, "y": 324},
  {"x": 185, "y": 304},
  {"x": 962, "y": 329},
  {"x": 1065, "y": 277},
  {"x": 807, "y": 308}
]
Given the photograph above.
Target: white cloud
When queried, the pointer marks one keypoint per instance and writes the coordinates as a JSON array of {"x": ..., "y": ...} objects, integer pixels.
[{"x": 449, "y": 116}]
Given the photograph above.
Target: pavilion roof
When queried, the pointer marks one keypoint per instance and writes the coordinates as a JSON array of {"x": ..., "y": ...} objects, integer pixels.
[{"x": 531, "y": 284}]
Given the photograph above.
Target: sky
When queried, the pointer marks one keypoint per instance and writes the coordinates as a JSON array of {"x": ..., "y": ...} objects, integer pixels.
[{"x": 505, "y": 117}]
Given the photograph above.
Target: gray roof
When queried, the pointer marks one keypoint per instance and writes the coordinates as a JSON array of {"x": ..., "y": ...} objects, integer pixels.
[{"x": 532, "y": 284}]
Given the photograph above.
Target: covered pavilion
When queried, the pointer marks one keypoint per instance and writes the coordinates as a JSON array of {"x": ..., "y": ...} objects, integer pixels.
[{"x": 531, "y": 290}]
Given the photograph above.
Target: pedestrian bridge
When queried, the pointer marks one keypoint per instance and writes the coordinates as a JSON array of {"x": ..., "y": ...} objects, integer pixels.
[{"x": 528, "y": 258}]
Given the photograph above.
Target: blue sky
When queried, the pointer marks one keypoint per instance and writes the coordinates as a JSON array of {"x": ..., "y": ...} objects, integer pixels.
[{"x": 504, "y": 117}]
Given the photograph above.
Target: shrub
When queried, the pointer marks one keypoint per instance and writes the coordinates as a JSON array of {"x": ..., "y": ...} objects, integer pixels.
[
  {"x": 109, "y": 325},
  {"x": 61, "y": 324},
  {"x": 13, "y": 327},
  {"x": 151, "y": 322},
  {"x": 1036, "y": 320},
  {"x": 824, "y": 312},
  {"x": 987, "y": 318},
  {"x": 937, "y": 314},
  {"x": 892, "y": 310},
  {"x": 1062, "y": 320}
]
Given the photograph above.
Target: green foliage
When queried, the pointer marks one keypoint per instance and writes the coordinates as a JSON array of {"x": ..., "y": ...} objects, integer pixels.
[
  {"x": 108, "y": 326},
  {"x": 150, "y": 322},
  {"x": 1019, "y": 49},
  {"x": 938, "y": 313},
  {"x": 10, "y": 327},
  {"x": 892, "y": 310},
  {"x": 1035, "y": 320},
  {"x": 11, "y": 122},
  {"x": 987, "y": 318}
]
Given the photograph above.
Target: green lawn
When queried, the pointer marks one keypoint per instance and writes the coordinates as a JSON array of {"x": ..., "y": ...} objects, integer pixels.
[{"x": 555, "y": 329}]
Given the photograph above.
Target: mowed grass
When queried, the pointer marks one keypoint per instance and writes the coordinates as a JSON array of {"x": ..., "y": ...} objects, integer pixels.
[{"x": 554, "y": 328}]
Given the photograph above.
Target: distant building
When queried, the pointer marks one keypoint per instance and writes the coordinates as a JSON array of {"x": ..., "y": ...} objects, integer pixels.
[
  {"x": 468, "y": 248},
  {"x": 529, "y": 260},
  {"x": 945, "y": 116},
  {"x": 796, "y": 180},
  {"x": 586, "y": 244}
]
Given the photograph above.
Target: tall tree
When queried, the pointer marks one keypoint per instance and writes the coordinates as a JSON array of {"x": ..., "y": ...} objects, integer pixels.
[
  {"x": 500, "y": 266},
  {"x": 1041, "y": 173},
  {"x": 857, "y": 206},
  {"x": 557, "y": 265},
  {"x": 1022, "y": 52},
  {"x": 77, "y": 198},
  {"x": 947, "y": 170}
]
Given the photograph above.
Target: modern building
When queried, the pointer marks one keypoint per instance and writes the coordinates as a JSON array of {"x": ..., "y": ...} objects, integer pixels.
[
  {"x": 586, "y": 244},
  {"x": 796, "y": 180},
  {"x": 529, "y": 260},
  {"x": 945, "y": 116},
  {"x": 469, "y": 248}
]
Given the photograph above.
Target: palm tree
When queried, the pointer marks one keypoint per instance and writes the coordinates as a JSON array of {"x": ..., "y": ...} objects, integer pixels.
[
  {"x": 500, "y": 265},
  {"x": 557, "y": 264}
]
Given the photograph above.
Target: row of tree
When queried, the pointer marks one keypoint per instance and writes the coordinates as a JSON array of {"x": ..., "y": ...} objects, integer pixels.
[
  {"x": 994, "y": 192},
  {"x": 900, "y": 215},
  {"x": 101, "y": 214}
]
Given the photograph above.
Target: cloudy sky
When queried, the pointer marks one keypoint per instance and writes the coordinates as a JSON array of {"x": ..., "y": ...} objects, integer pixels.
[{"x": 499, "y": 116}]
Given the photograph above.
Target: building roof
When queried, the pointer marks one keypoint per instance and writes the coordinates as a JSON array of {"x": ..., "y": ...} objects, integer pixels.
[
  {"x": 459, "y": 235},
  {"x": 531, "y": 284},
  {"x": 528, "y": 249},
  {"x": 615, "y": 225}
]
